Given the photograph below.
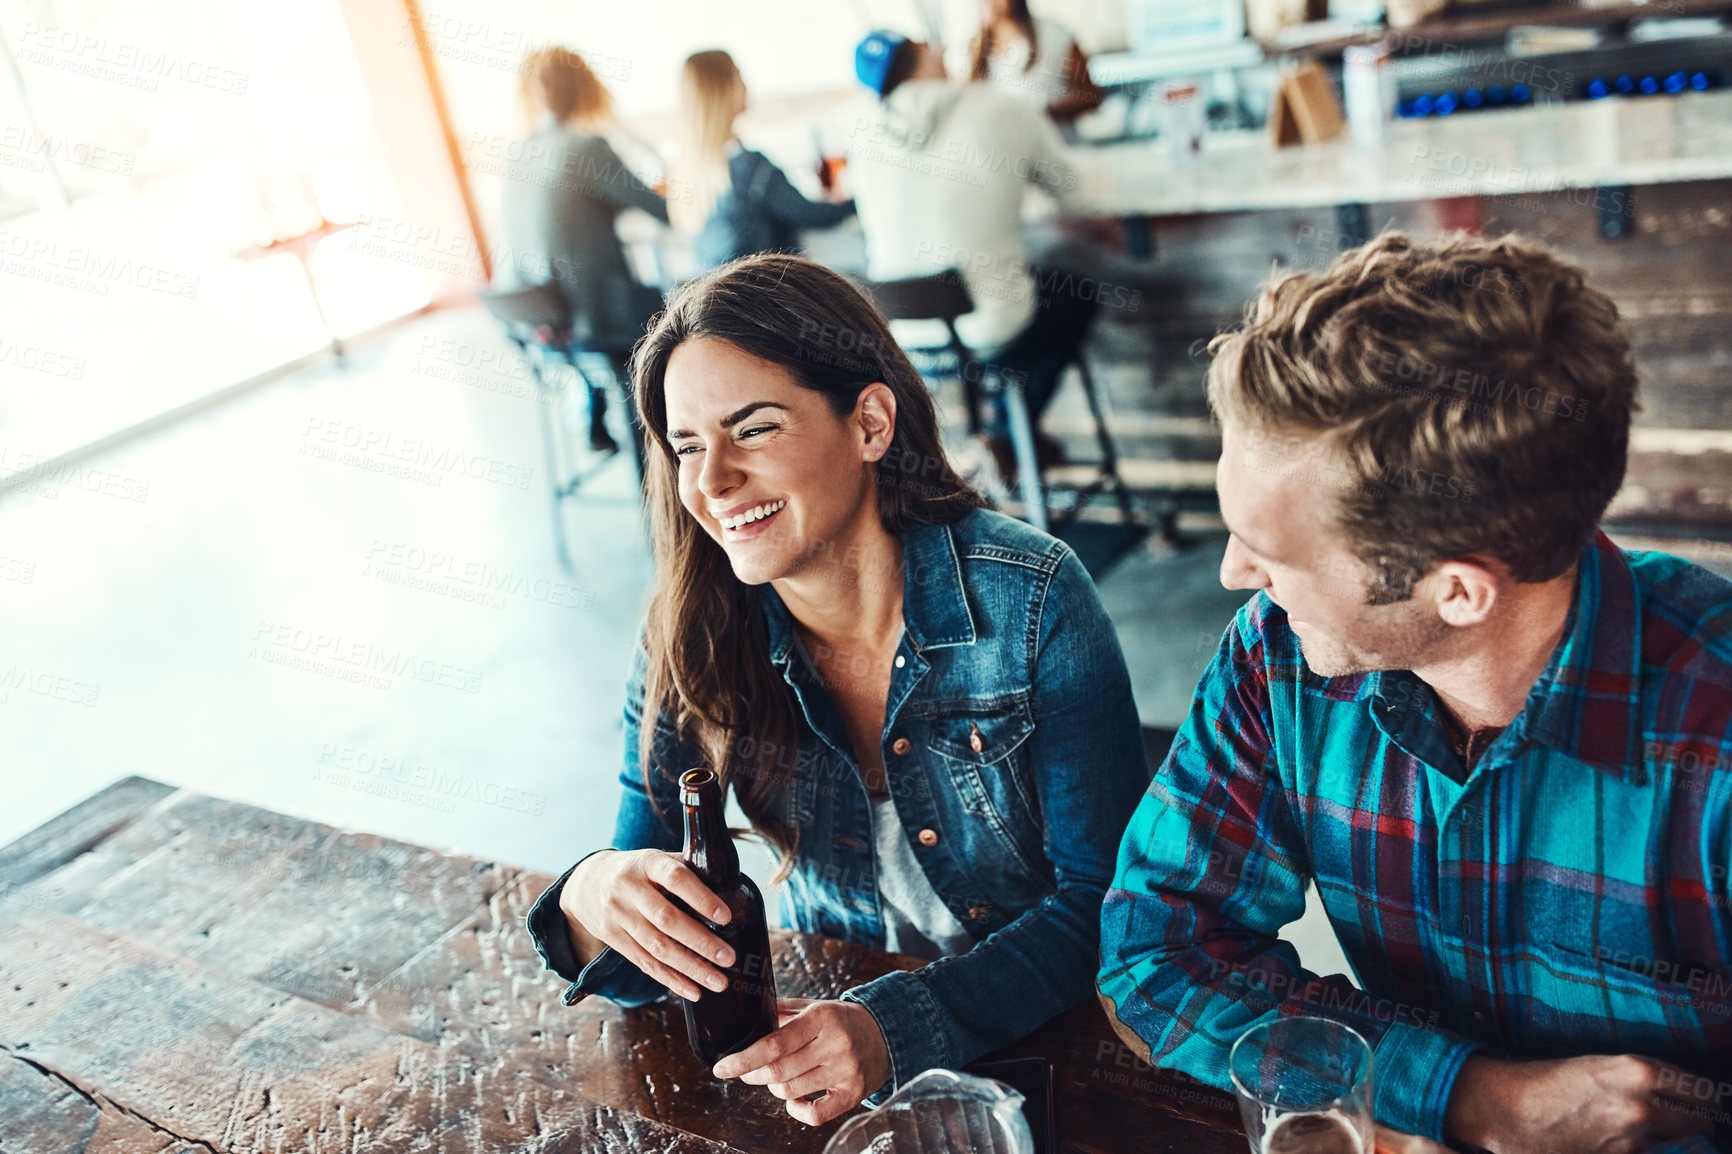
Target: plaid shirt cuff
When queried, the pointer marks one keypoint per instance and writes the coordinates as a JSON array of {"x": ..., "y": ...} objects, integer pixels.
[{"x": 1416, "y": 1070}]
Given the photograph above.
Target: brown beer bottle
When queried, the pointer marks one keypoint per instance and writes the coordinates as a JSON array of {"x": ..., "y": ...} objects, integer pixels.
[{"x": 727, "y": 1021}]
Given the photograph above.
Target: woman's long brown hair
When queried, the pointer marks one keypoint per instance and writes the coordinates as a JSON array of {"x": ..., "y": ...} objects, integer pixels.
[
  {"x": 980, "y": 48},
  {"x": 709, "y": 657}
]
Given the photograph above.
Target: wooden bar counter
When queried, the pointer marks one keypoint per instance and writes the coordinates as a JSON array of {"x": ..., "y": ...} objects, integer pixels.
[{"x": 181, "y": 973}]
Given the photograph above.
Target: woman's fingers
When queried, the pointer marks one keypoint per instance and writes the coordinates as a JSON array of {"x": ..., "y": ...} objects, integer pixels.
[
  {"x": 628, "y": 947},
  {"x": 831, "y": 1105},
  {"x": 678, "y": 879},
  {"x": 675, "y": 956},
  {"x": 676, "y": 925},
  {"x": 772, "y": 1058},
  {"x": 804, "y": 1085}
]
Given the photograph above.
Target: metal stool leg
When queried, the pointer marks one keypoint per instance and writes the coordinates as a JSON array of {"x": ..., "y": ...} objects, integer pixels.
[
  {"x": 546, "y": 402},
  {"x": 1022, "y": 442},
  {"x": 627, "y": 406},
  {"x": 1104, "y": 439}
]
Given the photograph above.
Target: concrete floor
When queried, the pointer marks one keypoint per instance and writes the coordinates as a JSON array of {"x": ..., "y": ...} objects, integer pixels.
[{"x": 289, "y": 601}]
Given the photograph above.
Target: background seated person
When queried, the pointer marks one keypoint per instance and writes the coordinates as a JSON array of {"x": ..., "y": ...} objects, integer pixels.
[
  {"x": 735, "y": 201},
  {"x": 940, "y": 172},
  {"x": 1032, "y": 57},
  {"x": 1493, "y": 739},
  {"x": 918, "y": 702},
  {"x": 563, "y": 191}
]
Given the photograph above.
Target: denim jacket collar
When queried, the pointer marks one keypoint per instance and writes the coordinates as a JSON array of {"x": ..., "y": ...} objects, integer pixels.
[{"x": 934, "y": 608}]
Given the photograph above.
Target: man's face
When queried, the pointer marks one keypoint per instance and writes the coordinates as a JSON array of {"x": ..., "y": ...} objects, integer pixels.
[{"x": 1278, "y": 496}]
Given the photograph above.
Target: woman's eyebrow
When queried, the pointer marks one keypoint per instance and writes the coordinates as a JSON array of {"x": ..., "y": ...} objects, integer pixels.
[{"x": 731, "y": 419}]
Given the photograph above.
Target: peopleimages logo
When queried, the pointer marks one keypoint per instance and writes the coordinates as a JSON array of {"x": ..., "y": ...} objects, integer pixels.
[
  {"x": 87, "y": 269},
  {"x": 123, "y": 62},
  {"x": 383, "y": 451},
  {"x": 22, "y": 147},
  {"x": 330, "y": 654}
]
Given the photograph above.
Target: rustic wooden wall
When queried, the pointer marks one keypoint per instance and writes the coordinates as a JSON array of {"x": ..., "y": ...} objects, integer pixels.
[{"x": 1672, "y": 281}]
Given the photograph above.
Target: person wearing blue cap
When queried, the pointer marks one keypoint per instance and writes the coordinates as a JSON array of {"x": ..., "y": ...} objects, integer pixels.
[{"x": 940, "y": 171}]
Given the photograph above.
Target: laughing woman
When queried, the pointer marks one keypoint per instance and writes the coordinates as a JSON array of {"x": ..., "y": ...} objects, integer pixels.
[{"x": 917, "y": 702}]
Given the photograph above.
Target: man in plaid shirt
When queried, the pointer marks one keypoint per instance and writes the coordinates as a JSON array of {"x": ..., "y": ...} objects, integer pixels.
[{"x": 1497, "y": 743}]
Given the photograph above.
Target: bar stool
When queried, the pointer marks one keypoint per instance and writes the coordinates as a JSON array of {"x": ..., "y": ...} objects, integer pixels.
[
  {"x": 537, "y": 321},
  {"x": 944, "y": 297}
]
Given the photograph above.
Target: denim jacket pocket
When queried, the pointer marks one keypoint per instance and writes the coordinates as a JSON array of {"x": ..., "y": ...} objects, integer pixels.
[{"x": 979, "y": 742}]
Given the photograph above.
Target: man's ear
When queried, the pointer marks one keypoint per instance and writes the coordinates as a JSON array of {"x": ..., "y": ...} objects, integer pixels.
[
  {"x": 1466, "y": 591},
  {"x": 875, "y": 413}
]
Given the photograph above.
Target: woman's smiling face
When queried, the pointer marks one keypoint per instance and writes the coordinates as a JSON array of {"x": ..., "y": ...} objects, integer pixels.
[{"x": 765, "y": 466}]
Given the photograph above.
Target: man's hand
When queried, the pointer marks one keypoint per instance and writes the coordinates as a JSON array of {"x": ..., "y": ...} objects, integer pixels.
[
  {"x": 1618, "y": 1104},
  {"x": 1391, "y": 1141},
  {"x": 829, "y": 1048}
]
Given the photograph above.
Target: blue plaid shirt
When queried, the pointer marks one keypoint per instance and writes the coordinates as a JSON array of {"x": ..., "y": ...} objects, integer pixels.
[{"x": 1567, "y": 896}]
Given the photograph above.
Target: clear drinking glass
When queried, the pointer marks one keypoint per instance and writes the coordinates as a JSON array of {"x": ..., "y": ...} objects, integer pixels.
[
  {"x": 940, "y": 1112},
  {"x": 1304, "y": 1087}
]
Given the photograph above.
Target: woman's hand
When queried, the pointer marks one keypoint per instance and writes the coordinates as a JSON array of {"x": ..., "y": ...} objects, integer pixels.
[
  {"x": 820, "y": 1046},
  {"x": 620, "y": 899}
]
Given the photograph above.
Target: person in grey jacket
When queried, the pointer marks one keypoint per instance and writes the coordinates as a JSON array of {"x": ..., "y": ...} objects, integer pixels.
[
  {"x": 564, "y": 186},
  {"x": 736, "y": 201}
]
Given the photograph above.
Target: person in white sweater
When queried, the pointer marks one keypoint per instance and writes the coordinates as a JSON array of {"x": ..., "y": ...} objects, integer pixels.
[{"x": 939, "y": 170}]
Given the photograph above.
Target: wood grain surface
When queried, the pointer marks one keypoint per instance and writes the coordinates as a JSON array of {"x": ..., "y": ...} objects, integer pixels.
[{"x": 182, "y": 973}]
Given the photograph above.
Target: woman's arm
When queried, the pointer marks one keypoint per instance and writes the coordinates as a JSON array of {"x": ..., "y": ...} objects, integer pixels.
[
  {"x": 1084, "y": 95},
  {"x": 1087, "y": 756},
  {"x": 772, "y": 189},
  {"x": 613, "y": 182}
]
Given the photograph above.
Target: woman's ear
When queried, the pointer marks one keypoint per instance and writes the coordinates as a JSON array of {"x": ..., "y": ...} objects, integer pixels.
[{"x": 875, "y": 413}]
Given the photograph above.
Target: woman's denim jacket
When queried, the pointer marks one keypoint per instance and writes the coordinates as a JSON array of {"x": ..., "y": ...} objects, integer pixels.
[{"x": 1013, "y": 753}]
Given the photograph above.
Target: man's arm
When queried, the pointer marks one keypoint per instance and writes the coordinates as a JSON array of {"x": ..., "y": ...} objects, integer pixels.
[
  {"x": 1048, "y": 162},
  {"x": 1211, "y": 868}
]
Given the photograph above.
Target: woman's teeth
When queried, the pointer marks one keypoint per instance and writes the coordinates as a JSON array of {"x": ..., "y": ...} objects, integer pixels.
[{"x": 751, "y": 515}]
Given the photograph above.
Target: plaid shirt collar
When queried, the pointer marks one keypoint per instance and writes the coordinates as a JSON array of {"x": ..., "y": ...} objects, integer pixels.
[{"x": 1586, "y": 704}]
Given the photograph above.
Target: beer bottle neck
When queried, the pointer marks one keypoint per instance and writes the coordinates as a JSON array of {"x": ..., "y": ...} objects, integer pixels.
[{"x": 709, "y": 848}]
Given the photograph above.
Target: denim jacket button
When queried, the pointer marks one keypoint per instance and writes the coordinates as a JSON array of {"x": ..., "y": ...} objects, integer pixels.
[
  {"x": 899, "y": 747},
  {"x": 901, "y": 661},
  {"x": 978, "y": 912},
  {"x": 928, "y": 837}
]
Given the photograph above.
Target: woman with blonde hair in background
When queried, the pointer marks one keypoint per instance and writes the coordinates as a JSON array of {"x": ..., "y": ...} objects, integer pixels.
[
  {"x": 734, "y": 200},
  {"x": 564, "y": 187}
]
